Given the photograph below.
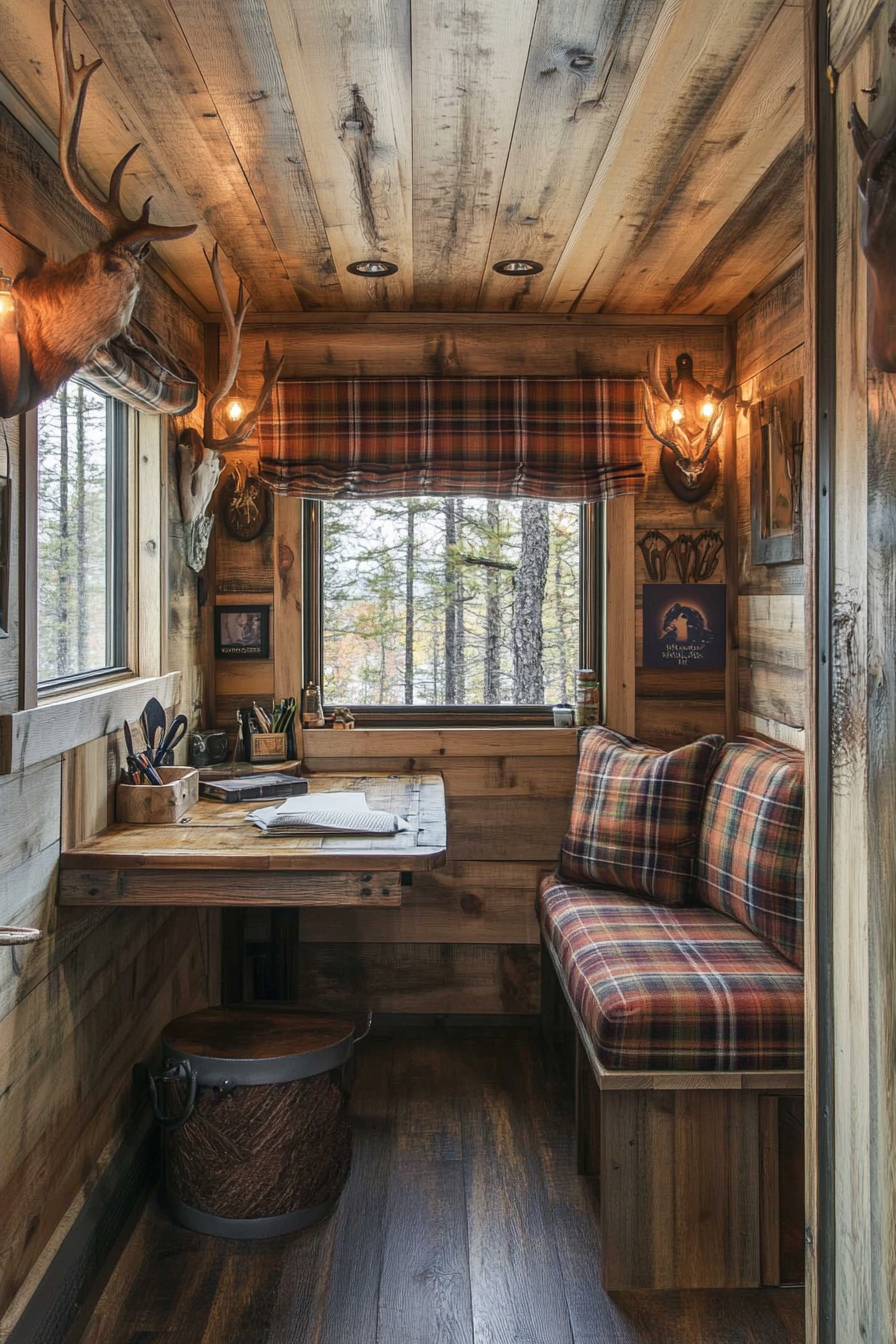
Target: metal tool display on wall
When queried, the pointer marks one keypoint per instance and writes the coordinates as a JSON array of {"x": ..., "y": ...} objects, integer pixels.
[{"x": 696, "y": 558}]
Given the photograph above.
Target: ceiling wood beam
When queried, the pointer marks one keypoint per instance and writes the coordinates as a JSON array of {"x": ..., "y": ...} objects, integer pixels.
[
  {"x": 759, "y": 235},
  {"x": 467, "y": 72},
  {"x": 147, "y": 53},
  {"x": 234, "y": 48},
  {"x": 752, "y": 127},
  {"x": 348, "y": 71},
  {"x": 564, "y": 124},
  {"x": 693, "y": 57}
]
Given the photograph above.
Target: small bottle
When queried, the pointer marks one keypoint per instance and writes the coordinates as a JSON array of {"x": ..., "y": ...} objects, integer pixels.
[
  {"x": 587, "y": 698},
  {"x": 312, "y": 709}
]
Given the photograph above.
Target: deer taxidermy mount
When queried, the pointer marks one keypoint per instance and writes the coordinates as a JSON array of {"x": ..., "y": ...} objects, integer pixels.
[
  {"x": 200, "y": 455},
  {"x": 877, "y": 191},
  {"x": 687, "y": 419},
  {"x": 64, "y": 312}
]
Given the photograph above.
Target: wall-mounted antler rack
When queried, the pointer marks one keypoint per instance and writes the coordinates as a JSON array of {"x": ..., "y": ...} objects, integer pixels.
[{"x": 695, "y": 556}]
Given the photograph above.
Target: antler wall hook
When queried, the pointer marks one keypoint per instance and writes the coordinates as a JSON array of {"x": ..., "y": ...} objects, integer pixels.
[
  {"x": 687, "y": 419},
  {"x": 200, "y": 455}
]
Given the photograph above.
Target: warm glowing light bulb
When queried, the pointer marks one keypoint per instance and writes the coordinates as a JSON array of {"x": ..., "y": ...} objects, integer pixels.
[
  {"x": 677, "y": 415},
  {"x": 234, "y": 410},
  {"x": 7, "y": 298},
  {"x": 708, "y": 409}
]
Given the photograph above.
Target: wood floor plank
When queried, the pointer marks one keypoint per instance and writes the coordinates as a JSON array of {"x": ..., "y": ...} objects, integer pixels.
[{"x": 463, "y": 1222}]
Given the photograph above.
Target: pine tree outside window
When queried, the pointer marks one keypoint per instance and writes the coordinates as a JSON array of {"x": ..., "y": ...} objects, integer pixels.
[
  {"x": 81, "y": 536},
  {"x": 449, "y": 604}
]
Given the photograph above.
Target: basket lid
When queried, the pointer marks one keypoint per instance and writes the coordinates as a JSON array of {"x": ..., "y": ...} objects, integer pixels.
[{"x": 256, "y": 1045}]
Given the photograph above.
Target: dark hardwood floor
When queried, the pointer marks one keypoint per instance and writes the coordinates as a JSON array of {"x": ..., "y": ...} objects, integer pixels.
[{"x": 463, "y": 1223}]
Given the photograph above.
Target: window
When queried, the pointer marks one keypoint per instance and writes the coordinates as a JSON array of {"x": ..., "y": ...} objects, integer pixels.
[
  {"x": 81, "y": 536},
  {"x": 444, "y": 602}
]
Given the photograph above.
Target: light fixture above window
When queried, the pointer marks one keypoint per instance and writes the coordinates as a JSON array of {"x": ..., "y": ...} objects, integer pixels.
[
  {"x": 518, "y": 266},
  {"x": 373, "y": 269}
]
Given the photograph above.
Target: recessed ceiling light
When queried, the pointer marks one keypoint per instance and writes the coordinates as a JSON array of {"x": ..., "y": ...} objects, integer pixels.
[
  {"x": 581, "y": 62},
  {"x": 518, "y": 266},
  {"x": 372, "y": 269}
]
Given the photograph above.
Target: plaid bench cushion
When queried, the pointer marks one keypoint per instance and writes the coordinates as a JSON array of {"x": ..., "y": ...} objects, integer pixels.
[
  {"x": 749, "y": 857},
  {"x": 636, "y": 815},
  {"x": 660, "y": 988}
]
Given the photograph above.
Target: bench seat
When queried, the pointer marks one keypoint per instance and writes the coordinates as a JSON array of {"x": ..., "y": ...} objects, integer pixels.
[{"x": 677, "y": 988}]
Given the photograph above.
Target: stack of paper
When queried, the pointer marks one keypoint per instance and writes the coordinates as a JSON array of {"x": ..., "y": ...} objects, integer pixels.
[{"x": 326, "y": 814}]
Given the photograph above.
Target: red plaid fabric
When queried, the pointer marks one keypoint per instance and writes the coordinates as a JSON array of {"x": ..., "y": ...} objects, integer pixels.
[
  {"x": 672, "y": 989},
  {"x": 750, "y": 855},
  {"x": 137, "y": 368},
  {"x": 636, "y": 815},
  {"x": 546, "y": 438}
]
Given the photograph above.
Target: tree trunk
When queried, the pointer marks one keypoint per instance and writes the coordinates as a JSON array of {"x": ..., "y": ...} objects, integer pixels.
[
  {"x": 528, "y": 599},
  {"x": 409, "y": 610},
  {"x": 450, "y": 602},
  {"x": 460, "y": 642},
  {"x": 62, "y": 601},
  {"x": 561, "y": 633},
  {"x": 81, "y": 553},
  {"x": 492, "y": 678}
]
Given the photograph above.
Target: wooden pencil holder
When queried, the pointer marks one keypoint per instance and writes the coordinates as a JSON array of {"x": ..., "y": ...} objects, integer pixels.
[
  {"x": 267, "y": 747},
  {"x": 158, "y": 804}
]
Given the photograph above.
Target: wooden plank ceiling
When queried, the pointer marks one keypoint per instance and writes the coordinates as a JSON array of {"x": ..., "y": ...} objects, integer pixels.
[{"x": 646, "y": 152}]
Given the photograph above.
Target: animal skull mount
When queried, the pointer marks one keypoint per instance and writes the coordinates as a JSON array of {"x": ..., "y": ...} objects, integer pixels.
[
  {"x": 65, "y": 312},
  {"x": 201, "y": 463},
  {"x": 687, "y": 419},
  {"x": 877, "y": 192}
]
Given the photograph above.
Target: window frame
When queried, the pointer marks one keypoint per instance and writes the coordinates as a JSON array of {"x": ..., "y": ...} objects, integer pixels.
[
  {"x": 119, "y": 554},
  {"x": 592, "y": 605}
]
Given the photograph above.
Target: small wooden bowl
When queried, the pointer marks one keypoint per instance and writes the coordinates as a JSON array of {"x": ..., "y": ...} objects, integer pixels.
[
  {"x": 158, "y": 804},
  {"x": 12, "y": 937}
]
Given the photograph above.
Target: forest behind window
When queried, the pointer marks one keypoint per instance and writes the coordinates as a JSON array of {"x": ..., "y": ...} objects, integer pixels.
[
  {"x": 79, "y": 618},
  {"x": 434, "y": 601}
]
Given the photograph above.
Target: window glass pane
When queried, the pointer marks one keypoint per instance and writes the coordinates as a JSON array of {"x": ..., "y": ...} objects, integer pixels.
[
  {"x": 450, "y": 601},
  {"x": 78, "y": 579}
]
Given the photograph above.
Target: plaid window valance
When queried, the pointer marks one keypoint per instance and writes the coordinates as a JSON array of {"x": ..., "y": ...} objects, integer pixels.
[
  {"x": 546, "y": 438},
  {"x": 138, "y": 369}
]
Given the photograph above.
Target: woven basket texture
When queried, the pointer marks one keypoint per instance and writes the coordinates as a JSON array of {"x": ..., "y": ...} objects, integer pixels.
[{"x": 257, "y": 1152}]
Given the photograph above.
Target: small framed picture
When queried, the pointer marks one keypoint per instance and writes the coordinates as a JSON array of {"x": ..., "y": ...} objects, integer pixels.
[
  {"x": 243, "y": 632},
  {"x": 684, "y": 626}
]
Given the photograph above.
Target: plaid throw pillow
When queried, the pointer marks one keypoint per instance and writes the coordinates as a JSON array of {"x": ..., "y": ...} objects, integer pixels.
[
  {"x": 749, "y": 862},
  {"x": 636, "y": 815}
]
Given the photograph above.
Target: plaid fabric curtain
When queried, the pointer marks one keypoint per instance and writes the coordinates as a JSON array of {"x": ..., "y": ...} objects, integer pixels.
[
  {"x": 546, "y": 438},
  {"x": 137, "y": 368}
]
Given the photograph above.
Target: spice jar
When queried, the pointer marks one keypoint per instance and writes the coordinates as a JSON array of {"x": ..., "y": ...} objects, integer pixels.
[{"x": 587, "y": 698}]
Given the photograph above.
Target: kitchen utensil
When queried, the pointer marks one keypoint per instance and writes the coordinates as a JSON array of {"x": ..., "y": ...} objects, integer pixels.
[{"x": 154, "y": 722}]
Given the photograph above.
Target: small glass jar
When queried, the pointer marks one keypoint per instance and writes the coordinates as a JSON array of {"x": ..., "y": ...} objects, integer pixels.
[
  {"x": 587, "y": 698},
  {"x": 312, "y": 707},
  {"x": 564, "y": 716}
]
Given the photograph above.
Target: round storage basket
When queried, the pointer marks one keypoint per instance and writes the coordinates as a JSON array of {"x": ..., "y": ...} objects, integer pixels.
[{"x": 257, "y": 1139}]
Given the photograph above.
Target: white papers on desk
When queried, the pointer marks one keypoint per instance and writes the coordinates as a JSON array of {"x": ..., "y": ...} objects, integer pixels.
[{"x": 326, "y": 814}]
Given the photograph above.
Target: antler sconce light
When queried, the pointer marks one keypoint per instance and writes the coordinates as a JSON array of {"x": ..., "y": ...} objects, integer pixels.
[{"x": 687, "y": 419}]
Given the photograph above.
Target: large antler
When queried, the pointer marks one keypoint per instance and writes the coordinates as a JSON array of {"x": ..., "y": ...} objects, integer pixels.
[
  {"x": 134, "y": 234},
  {"x": 233, "y": 322}
]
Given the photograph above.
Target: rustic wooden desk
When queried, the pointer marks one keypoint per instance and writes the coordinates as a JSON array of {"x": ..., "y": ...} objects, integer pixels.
[{"x": 213, "y": 856}]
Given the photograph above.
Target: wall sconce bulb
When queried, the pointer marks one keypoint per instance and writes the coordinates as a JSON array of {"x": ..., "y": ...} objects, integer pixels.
[
  {"x": 234, "y": 410},
  {"x": 677, "y": 415},
  {"x": 708, "y": 409}
]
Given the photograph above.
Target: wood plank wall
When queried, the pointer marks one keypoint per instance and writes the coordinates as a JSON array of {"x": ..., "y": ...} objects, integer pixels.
[
  {"x": 80, "y": 1007},
  {"x": 465, "y": 940},
  {"x": 863, "y": 813},
  {"x": 771, "y": 625}
]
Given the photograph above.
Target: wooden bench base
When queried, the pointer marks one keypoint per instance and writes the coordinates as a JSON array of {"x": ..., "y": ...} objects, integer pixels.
[{"x": 689, "y": 1170}]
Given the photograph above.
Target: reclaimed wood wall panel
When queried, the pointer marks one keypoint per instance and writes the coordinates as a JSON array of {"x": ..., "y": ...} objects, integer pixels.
[{"x": 771, "y": 604}]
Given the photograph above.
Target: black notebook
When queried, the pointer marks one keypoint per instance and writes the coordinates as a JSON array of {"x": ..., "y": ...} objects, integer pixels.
[{"x": 249, "y": 788}]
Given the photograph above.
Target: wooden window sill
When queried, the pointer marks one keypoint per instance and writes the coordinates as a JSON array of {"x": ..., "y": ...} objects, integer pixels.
[{"x": 68, "y": 721}]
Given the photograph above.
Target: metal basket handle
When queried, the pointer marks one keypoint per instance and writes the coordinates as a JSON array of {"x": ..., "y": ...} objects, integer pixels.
[{"x": 180, "y": 1072}]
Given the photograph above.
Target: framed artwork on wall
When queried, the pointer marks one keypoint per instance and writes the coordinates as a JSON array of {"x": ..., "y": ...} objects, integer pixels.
[
  {"x": 776, "y": 476},
  {"x": 685, "y": 626},
  {"x": 243, "y": 631}
]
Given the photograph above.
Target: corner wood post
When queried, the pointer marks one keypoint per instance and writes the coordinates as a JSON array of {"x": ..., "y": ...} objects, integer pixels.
[{"x": 619, "y": 663}]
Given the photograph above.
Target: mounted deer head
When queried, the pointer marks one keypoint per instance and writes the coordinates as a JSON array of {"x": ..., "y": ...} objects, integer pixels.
[
  {"x": 877, "y": 191},
  {"x": 200, "y": 457},
  {"x": 689, "y": 426},
  {"x": 66, "y": 312}
]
